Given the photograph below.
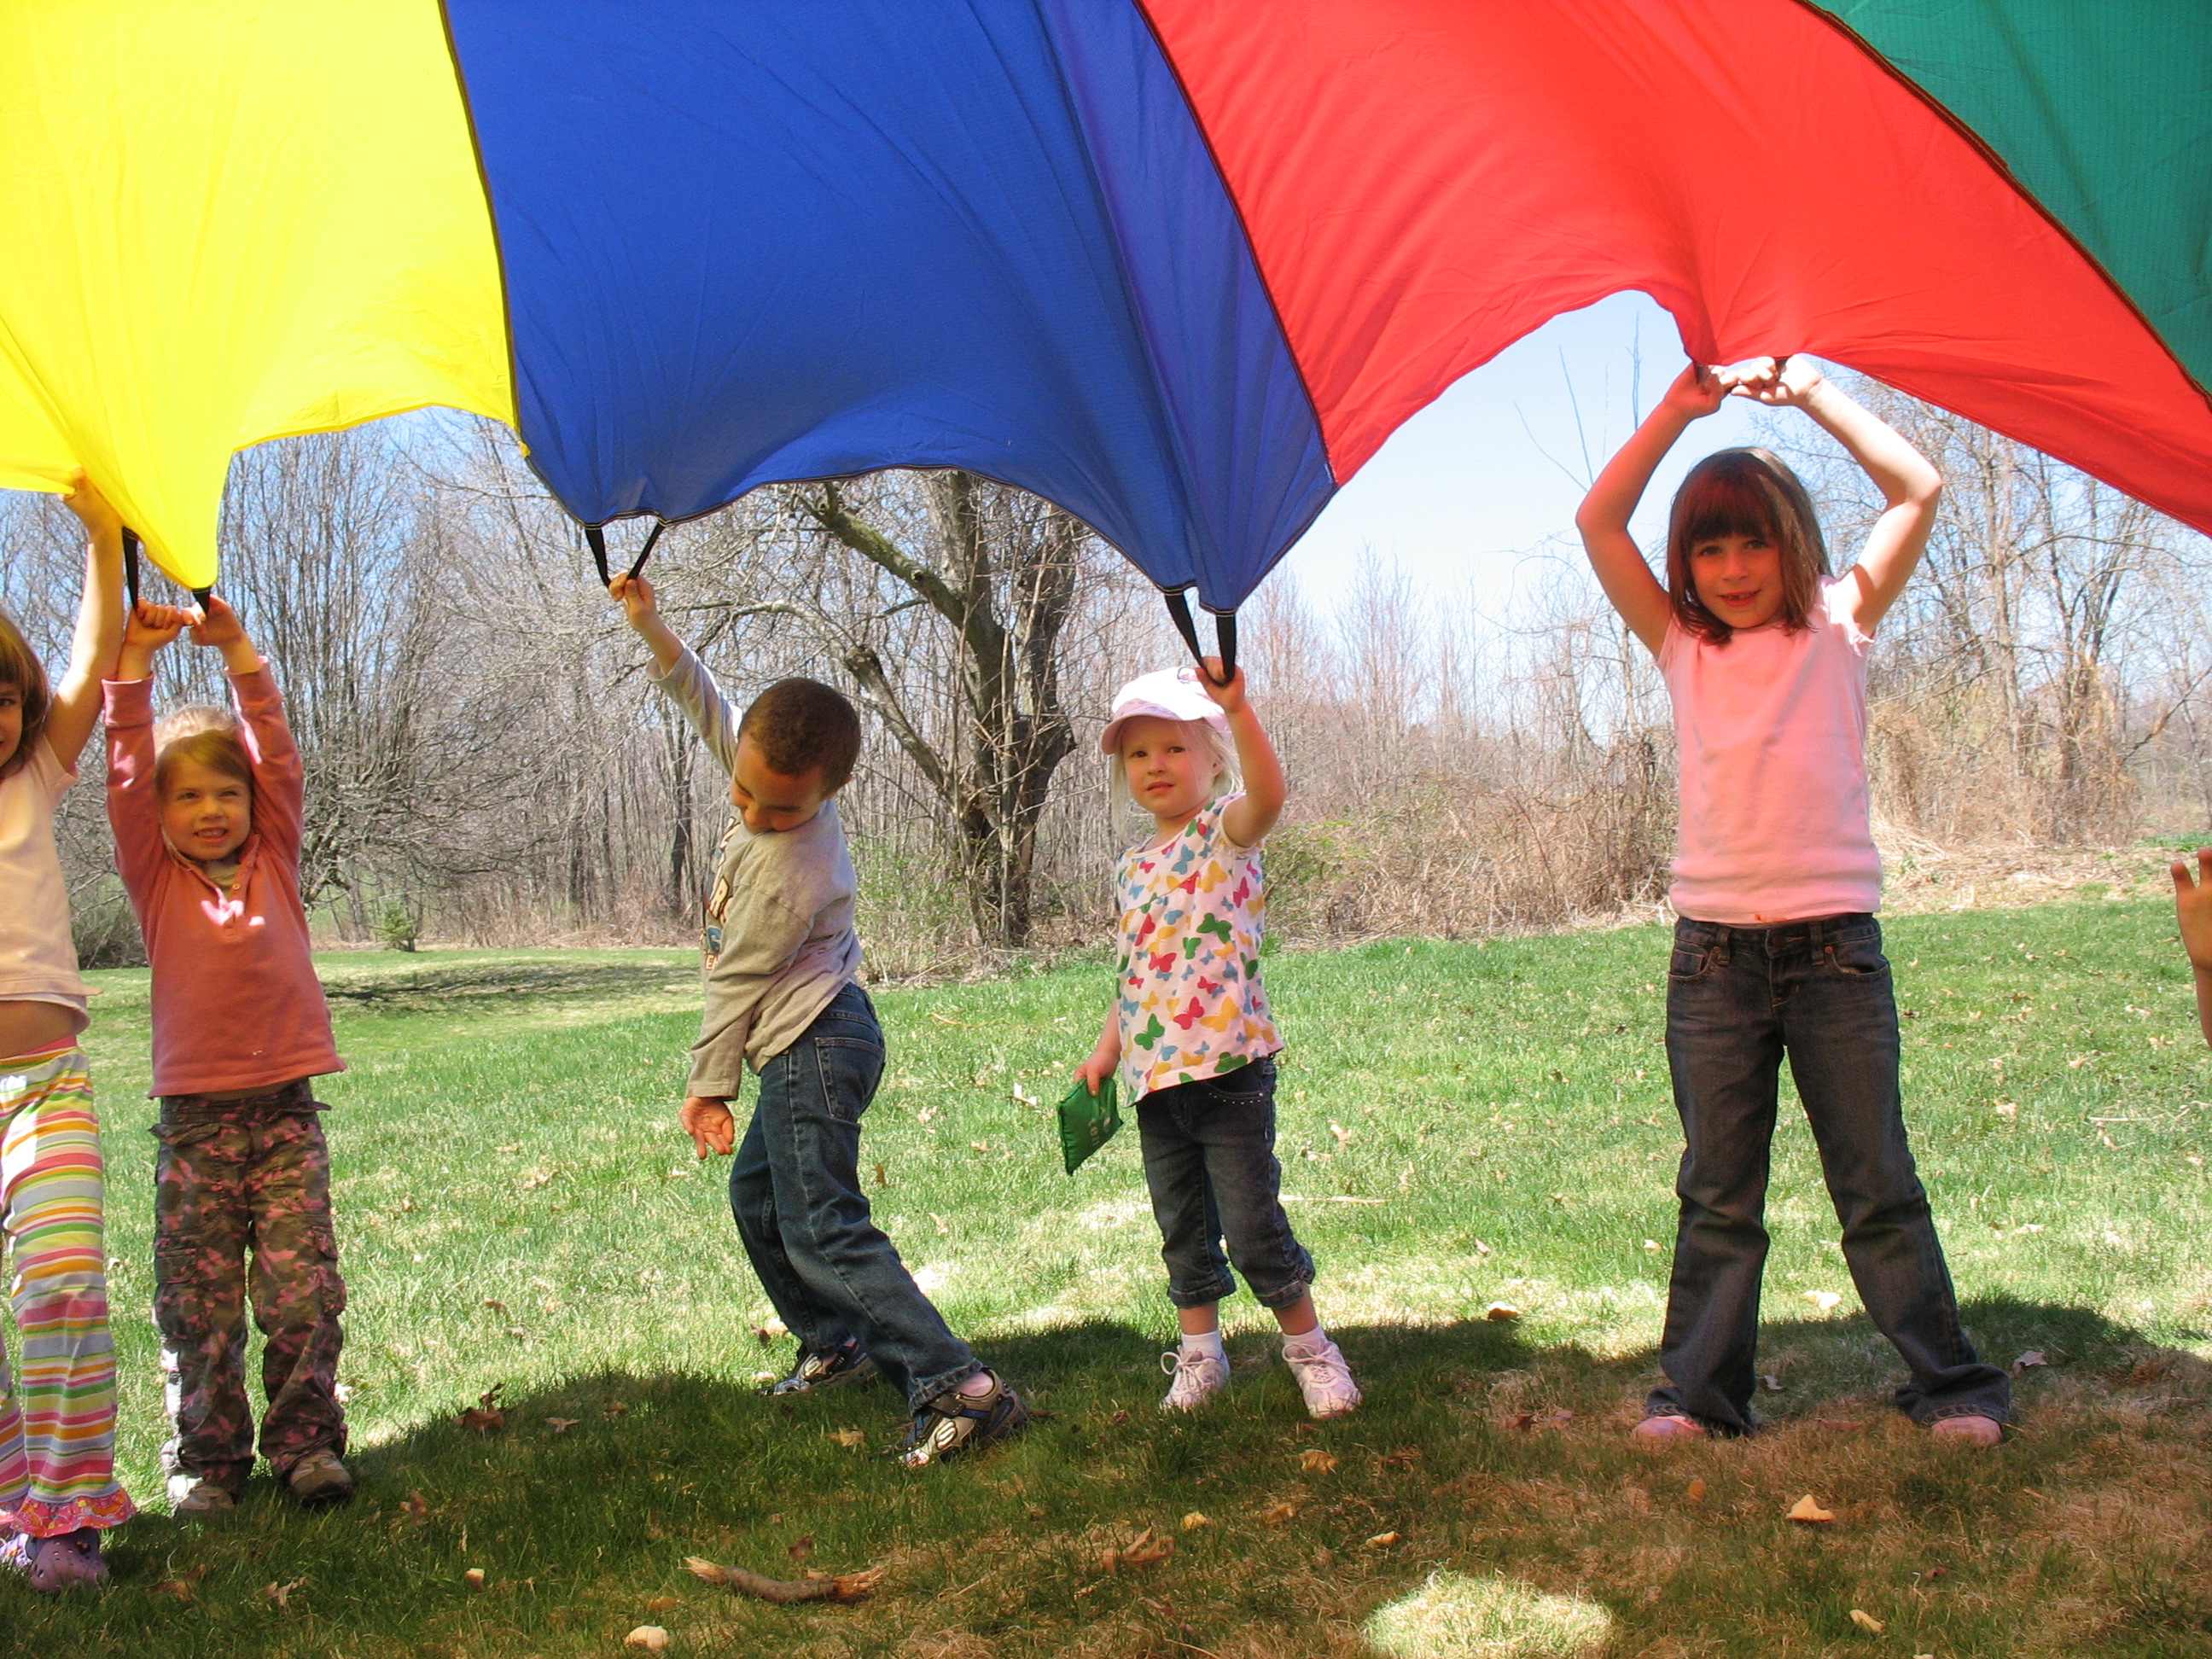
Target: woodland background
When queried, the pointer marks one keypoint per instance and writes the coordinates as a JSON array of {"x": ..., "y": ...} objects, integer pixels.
[{"x": 487, "y": 765}]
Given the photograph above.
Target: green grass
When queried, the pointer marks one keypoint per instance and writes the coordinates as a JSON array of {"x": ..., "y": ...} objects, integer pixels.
[{"x": 516, "y": 1208}]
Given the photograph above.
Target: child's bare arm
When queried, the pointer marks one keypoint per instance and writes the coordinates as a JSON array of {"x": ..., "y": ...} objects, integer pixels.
[
  {"x": 639, "y": 609},
  {"x": 1253, "y": 814},
  {"x": 1105, "y": 1057},
  {"x": 1907, "y": 479},
  {"x": 98, "y": 625},
  {"x": 2192, "y": 904},
  {"x": 1602, "y": 520}
]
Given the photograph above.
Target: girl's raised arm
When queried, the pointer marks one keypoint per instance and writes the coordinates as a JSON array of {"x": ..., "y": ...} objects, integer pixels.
[
  {"x": 1907, "y": 479},
  {"x": 1636, "y": 593},
  {"x": 98, "y": 625},
  {"x": 1253, "y": 814}
]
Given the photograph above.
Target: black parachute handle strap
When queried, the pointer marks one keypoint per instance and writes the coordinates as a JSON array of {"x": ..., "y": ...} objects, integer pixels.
[
  {"x": 200, "y": 595},
  {"x": 1224, "y": 631},
  {"x": 596, "y": 534}
]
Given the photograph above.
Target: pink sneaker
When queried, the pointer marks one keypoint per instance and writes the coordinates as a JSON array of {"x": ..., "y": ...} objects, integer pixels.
[
  {"x": 1665, "y": 1430},
  {"x": 70, "y": 1560},
  {"x": 1968, "y": 1430}
]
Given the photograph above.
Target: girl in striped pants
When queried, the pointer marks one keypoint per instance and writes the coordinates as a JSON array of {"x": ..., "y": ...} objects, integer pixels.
[{"x": 57, "y": 1486}]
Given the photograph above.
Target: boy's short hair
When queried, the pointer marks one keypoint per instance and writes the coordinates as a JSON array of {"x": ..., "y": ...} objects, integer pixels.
[
  {"x": 799, "y": 725},
  {"x": 21, "y": 671},
  {"x": 204, "y": 734}
]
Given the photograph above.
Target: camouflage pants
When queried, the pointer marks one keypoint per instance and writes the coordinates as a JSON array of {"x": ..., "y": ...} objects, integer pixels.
[{"x": 235, "y": 1176}]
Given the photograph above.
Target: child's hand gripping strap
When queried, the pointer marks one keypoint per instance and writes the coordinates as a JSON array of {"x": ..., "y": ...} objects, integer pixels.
[
  {"x": 131, "y": 573},
  {"x": 1225, "y": 630},
  {"x": 596, "y": 534}
]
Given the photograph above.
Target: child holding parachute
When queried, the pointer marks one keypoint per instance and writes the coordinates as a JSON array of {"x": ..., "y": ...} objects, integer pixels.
[
  {"x": 57, "y": 1486},
  {"x": 206, "y": 810},
  {"x": 1776, "y": 949}
]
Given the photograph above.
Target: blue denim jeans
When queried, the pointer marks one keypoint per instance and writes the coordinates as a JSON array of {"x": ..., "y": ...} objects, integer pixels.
[
  {"x": 795, "y": 1190},
  {"x": 1210, "y": 1162},
  {"x": 1738, "y": 999}
]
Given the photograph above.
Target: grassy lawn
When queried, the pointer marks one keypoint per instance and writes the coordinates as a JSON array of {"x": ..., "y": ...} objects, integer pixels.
[{"x": 1461, "y": 1124}]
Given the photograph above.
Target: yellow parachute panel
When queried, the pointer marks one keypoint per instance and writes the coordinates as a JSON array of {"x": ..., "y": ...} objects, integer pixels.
[{"x": 230, "y": 222}]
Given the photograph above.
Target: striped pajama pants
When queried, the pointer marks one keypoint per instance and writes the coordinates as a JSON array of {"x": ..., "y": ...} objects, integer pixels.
[{"x": 58, "y": 1416}]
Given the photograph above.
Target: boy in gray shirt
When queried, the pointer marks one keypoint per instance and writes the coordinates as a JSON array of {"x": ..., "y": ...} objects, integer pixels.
[{"x": 781, "y": 997}]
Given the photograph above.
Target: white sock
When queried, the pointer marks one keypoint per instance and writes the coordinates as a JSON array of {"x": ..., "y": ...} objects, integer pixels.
[
  {"x": 1312, "y": 1342},
  {"x": 1206, "y": 1342}
]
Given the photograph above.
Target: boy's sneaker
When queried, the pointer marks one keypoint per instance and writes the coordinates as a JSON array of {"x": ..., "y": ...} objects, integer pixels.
[
  {"x": 1323, "y": 1377},
  {"x": 196, "y": 1500},
  {"x": 954, "y": 1423},
  {"x": 826, "y": 1368},
  {"x": 319, "y": 1477},
  {"x": 70, "y": 1561},
  {"x": 1199, "y": 1376}
]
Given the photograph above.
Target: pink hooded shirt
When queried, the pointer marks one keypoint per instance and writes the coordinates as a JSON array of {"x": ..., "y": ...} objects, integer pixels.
[{"x": 236, "y": 1002}]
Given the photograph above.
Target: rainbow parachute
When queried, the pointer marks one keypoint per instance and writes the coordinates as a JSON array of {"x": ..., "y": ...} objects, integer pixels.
[{"x": 1180, "y": 266}]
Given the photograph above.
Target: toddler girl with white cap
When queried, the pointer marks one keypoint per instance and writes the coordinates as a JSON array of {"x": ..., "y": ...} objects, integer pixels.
[{"x": 1189, "y": 1032}]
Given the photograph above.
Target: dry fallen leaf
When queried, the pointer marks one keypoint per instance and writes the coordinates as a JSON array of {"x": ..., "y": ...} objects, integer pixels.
[
  {"x": 1315, "y": 1460},
  {"x": 614, "y": 1408},
  {"x": 1404, "y": 1458},
  {"x": 561, "y": 1424},
  {"x": 1119, "y": 1418},
  {"x": 844, "y": 1587},
  {"x": 1277, "y": 1514},
  {"x": 801, "y": 1547},
  {"x": 415, "y": 1510},
  {"x": 1696, "y": 1491},
  {"x": 497, "y": 1306},
  {"x": 1344, "y": 1136},
  {"x": 1771, "y": 1382},
  {"x": 651, "y": 1638},
  {"x": 1518, "y": 1420},
  {"x": 1811, "y": 1513},
  {"x": 473, "y": 1578},
  {"x": 1501, "y": 1310},
  {"x": 1194, "y": 1521},
  {"x": 180, "y": 1587},
  {"x": 485, "y": 1415},
  {"x": 663, "y": 1604},
  {"x": 849, "y": 1439},
  {"x": 2006, "y": 1108},
  {"x": 1382, "y": 1541},
  {"x": 1823, "y": 1300},
  {"x": 1147, "y": 1547},
  {"x": 1867, "y": 1622},
  {"x": 278, "y": 1595},
  {"x": 944, "y": 1230},
  {"x": 2028, "y": 1361}
]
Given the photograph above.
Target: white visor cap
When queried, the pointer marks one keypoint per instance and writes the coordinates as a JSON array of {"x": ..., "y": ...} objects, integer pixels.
[{"x": 1170, "y": 693}]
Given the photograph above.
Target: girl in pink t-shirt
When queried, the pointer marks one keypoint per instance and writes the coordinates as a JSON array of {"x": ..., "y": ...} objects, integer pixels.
[
  {"x": 1777, "y": 951},
  {"x": 58, "y": 1487}
]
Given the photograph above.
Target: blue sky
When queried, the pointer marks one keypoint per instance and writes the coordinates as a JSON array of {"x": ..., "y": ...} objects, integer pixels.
[{"x": 1471, "y": 484}]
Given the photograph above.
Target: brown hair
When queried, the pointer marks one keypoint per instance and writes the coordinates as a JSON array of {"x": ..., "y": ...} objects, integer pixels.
[
  {"x": 205, "y": 735},
  {"x": 800, "y": 725},
  {"x": 1744, "y": 492},
  {"x": 22, "y": 671}
]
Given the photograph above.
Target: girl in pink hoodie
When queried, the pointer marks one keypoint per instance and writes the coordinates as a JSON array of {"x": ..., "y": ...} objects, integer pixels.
[{"x": 206, "y": 810}]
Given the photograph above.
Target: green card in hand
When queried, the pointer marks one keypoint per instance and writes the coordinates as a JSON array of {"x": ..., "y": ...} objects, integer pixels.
[{"x": 1087, "y": 1121}]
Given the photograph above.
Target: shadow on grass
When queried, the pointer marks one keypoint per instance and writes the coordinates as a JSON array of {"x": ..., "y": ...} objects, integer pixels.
[
  {"x": 1476, "y": 1450},
  {"x": 401, "y": 983}
]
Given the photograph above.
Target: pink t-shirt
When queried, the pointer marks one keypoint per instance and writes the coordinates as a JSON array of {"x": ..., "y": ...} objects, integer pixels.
[
  {"x": 1771, "y": 729},
  {"x": 37, "y": 961},
  {"x": 236, "y": 1002}
]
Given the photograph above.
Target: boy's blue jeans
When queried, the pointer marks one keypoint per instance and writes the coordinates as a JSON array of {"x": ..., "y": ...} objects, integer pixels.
[
  {"x": 1210, "y": 1164},
  {"x": 1737, "y": 999},
  {"x": 795, "y": 1190}
]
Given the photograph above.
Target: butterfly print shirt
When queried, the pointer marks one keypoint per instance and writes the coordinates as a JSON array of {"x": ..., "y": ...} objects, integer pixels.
[{"x": 1192, "y": 911}]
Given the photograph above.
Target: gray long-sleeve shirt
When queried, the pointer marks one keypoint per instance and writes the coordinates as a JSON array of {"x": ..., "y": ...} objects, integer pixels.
[{"x": 788, "y": 945}]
